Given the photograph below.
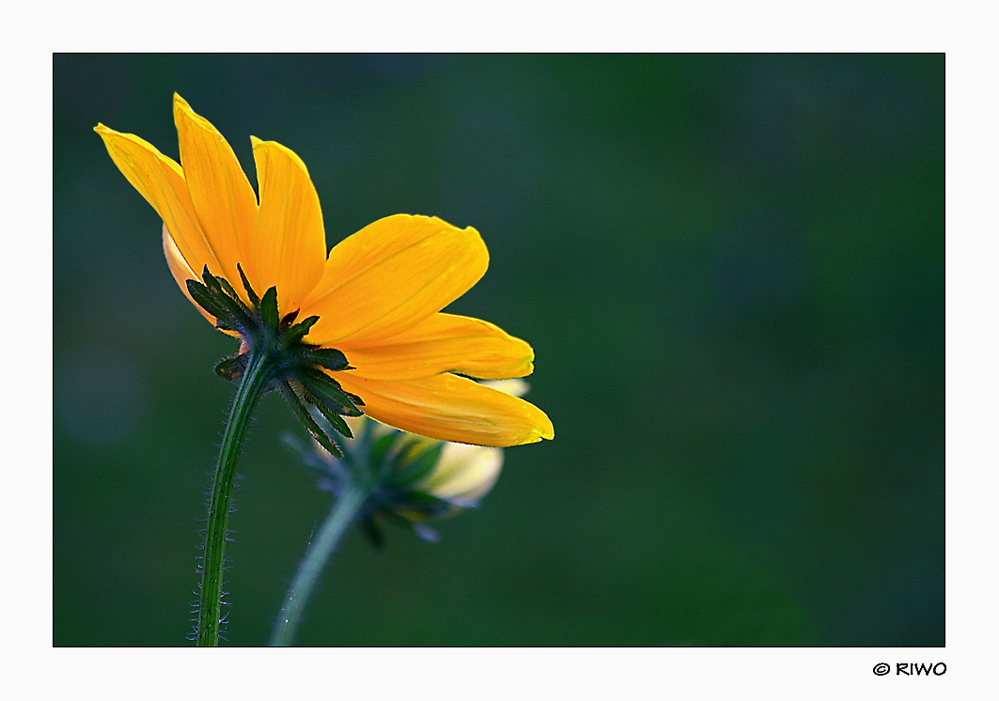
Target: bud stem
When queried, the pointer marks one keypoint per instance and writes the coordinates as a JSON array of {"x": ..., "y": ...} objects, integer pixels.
[
  {"x": 336, "y": 525},
  {"x": 259, "y": 371}
]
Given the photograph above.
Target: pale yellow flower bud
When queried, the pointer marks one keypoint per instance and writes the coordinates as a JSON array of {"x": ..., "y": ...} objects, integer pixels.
[{"x": 463, "y": 474}]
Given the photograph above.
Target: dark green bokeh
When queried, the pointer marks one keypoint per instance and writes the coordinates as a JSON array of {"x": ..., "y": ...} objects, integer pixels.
[{"x": 731, "y": 269}]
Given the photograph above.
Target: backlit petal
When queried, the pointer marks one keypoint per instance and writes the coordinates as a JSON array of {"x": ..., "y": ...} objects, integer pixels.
[
  {"x": 290, "y": 242},
  {"x": 222, "y": 196},
  {"x": 182, "y": 272},
  {"x": 391, "y": 275},
  {"x": 451, "y": 408},
  {"x": 442, "y": 343},
  {"x": 161, "y": 181}
]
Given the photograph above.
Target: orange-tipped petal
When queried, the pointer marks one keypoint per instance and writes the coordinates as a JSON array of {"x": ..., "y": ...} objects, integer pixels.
[
  {"x": 161, "y": 181},
  {"x": 451, "y": 408},
  {"x": 391, "y": 275},
  {"x": 442, "y": 343},
  {"x": 290, "y": 242},
  {"x": 222, "y": 196}
]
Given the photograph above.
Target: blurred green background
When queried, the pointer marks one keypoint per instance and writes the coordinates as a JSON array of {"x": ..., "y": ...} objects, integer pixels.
[{"x": 731, "y": 269}]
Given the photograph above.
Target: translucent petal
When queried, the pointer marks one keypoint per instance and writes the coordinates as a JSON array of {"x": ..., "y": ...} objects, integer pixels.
[
  {"x": 223, "y": 199},
  {"x": 442, "y": 343},
  {"x": 451, "y": 408},
  {"x": 182, "y": 272},
  {"x": 391, "y": 275},
  {"x": 160, "y": 180},
  {"x": 290, "y": 242}
]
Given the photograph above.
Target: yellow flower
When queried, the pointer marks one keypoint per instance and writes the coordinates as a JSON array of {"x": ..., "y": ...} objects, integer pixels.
[{"x": 378, "y": 295}]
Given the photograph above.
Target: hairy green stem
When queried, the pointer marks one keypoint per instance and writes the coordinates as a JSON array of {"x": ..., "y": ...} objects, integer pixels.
[
  {"x": 259, "y": 371},
  {"x": 336, "y": 525}
]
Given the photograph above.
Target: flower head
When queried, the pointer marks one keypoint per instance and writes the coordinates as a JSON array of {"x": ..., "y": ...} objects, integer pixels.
[{"x": 375, "y": 300}]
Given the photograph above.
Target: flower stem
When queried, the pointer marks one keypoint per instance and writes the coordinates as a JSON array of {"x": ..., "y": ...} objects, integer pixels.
[
  {"x": 336, "y": 525},
  {"x": 259, "y": 371}
]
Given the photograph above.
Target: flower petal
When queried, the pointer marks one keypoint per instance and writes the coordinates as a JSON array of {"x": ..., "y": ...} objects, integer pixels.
[
  {"x": 222, "y": 196},
  {"x": 451, "y": 408},
  {"x": 442, "y": 343},
  {"x": 161, "y": 181},
  {"x": 290, "y": 242},
  {"x": 182, "y": 272},
  {"x": 391, "y": 275}
]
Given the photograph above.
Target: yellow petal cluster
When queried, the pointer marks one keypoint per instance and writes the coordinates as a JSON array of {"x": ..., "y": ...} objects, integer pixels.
[{"x": 378, "y": 294}]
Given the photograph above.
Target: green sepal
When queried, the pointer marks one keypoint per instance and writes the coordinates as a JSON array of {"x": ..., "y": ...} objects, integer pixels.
[
  {"x": 382, "y": 451},
  {"x": 322, "y": 385},
  {"x": 329, "y": 404},
  {"x": 329, "y": 358},
  {"x": 304, "y": 355},
  {"x": 254, "y": 300},
  {"x": 203, "y": 296},
  {"x": 210, "y": 280},
  {"x": 231, "y": 314},
  {"x": 231, "y": 293},
  {"x": 224, "y": 294},
  {"x": 269, "y": 309},
  {"x": 294, "y": 335},
  {"x": 330, "y": 412},
  {"x": 208, "y": 301},
  {"x": 303, "y": 415},
  {"x": 338, "y": 423},
  {"x": 231, "y": 369},
  {"x": 417, "y": 469}
]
